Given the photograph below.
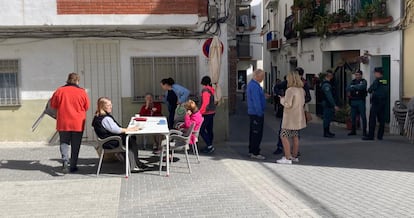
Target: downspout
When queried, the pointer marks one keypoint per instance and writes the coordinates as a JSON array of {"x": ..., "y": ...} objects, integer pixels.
[{"x": 402, "y": 14}]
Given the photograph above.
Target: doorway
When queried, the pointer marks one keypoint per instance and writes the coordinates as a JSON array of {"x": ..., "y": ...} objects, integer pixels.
[{"x": 98, "y": 62}]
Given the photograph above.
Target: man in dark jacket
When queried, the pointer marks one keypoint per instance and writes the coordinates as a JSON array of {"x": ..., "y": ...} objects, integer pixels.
[
  {"x": 379, "y": 95},
  {"x": 357, "y": 94},
  {"x": 329, "y": 105}
]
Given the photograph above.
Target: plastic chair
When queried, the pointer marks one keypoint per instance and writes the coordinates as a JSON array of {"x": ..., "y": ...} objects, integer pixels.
[
  {"x": 196, "y": 134},
  {"x": 178, "y": 141},
  {"x": 100, "y": 149}
]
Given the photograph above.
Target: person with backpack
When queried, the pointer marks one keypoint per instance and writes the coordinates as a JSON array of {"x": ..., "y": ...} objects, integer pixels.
[{"x": 208, "y": 110}]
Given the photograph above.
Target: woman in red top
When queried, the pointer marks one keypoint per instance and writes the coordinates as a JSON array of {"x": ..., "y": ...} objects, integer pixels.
[
  {"x": 151, "y": 108},
  {"x": 71, "y": 103}
]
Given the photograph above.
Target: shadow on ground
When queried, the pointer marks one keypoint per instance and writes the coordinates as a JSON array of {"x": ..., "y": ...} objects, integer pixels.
[{"x": 393, "y": 153}]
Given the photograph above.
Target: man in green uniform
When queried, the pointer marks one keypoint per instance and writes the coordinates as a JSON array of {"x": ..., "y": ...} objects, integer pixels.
[
  {"x": 328, "y": 104},
  {"x": 357, "y": 94},
  {"x": 379, "y": 95}
]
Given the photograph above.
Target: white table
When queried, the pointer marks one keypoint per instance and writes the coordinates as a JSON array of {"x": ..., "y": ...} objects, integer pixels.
[{"x": 151, "y": 126}]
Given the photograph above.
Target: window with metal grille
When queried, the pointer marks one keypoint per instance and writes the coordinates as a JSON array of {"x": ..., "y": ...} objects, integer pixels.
[
  {"x": 9, "y": 86},
  {"x": 147, "y": 72}
]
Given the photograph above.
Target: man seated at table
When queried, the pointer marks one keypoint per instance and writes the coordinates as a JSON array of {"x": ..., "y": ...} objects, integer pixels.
[
  {"x": 105, "y": 126},
  {"x": 151, "y": 108}
]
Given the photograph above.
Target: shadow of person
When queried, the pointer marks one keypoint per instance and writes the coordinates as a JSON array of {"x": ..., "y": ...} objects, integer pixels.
[{"x": 29, "y": 165}]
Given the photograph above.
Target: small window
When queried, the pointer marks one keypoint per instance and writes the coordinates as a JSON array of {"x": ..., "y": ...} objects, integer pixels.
[
  {"x": 9, "y": 86},
  {"x": 147, "y": 73}
]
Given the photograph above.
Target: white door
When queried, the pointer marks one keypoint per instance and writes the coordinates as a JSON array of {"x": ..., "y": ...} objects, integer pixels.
[{"x": 98, "y": 63}]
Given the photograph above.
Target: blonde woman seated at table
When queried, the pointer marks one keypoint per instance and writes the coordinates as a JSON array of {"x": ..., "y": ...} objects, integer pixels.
[
  {"x": 105, "y": 126},
  {"x": 151, "y": 108}
]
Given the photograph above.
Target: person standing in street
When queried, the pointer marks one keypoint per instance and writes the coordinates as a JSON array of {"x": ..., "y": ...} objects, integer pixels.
[
  {"x": 208, "y": 110},
  {"x": 256, "y": 104},
  {"x": 293, "y": 117},
  {"x": 71, "y": 103},
  {"x": 329, "y": 105},
  {"x": 379, "y": 95},
  {"x": 308, "y": 98},
  {"x": 357, "y": 95}
]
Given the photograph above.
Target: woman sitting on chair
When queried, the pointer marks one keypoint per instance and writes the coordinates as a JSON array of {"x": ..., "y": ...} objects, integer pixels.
[
  {"x": 151, "y": 108},
  {"x": 192, "y": 115},
  {"x": 105, "y": 126}
]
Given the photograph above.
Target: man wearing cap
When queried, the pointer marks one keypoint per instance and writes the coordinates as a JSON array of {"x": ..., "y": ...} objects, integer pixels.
[
  {"x": 357, "y": 93},
  {"x": 329, "y": 104},
  {"x": 379, "y": 95}
]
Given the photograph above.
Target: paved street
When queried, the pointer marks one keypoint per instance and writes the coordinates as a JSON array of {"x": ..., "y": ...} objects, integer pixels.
[{"x": 341, "y": 177}]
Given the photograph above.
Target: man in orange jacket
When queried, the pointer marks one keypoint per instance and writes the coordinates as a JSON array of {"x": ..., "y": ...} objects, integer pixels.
[{"x": 71, "y": 103}]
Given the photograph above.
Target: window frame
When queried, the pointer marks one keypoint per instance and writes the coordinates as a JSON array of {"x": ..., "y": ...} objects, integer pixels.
[
  {"x": 141, "y": 98},
  {"x": 12, "y": 102}
]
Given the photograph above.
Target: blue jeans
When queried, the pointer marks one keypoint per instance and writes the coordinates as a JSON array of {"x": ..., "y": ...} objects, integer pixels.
[
  {"x": 206, "y": 129},
  {"x": 377, "y": 112},
  {"x": 256, "y": 133},
  {"x": 328, "y": 114}
]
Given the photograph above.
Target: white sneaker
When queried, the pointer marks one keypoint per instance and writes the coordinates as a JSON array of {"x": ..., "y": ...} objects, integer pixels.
[
  {"x": 295, "y": 159},
  {"x": 283, "y": 160},
  {"x": 259, "y": 157}
]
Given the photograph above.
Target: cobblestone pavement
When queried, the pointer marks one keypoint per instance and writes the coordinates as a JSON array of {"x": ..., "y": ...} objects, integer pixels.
[{"x": 342, "y": 177}]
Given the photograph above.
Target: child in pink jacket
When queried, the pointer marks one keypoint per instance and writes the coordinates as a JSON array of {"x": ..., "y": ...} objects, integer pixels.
[{"x": 193, "y": 115}]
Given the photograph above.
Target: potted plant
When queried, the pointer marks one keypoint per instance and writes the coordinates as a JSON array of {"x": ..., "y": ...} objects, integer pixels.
[
  {"x": 333, "y": 22},
  {"x": 380, "y": 13},
  {"x": 361, "y": 19},
  {"x": 321, "y": 25},
  {"x": 344, "y": 19},
  {"x": 343, "y": 115}
]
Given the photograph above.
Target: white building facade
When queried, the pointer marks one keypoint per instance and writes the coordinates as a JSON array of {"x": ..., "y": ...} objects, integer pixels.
[
  {"x": 342, "y": 50},
  {"x": 120, "y": 51}
]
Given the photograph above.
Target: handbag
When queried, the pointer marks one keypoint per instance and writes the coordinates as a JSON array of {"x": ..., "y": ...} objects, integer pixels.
[
  {"x": 308, "y": 116},
  {"x": 179, "y": 113}
]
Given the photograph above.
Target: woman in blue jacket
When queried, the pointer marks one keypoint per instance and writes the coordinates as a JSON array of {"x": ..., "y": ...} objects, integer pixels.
[{"x": 174, "y": 95}]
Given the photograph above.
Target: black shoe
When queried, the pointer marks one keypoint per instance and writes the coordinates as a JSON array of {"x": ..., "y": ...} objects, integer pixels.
[
  {"x": 352, "y": 133},
  {"x": 208, "y": 149},
  {"x": 379, "y": 138},
  {"x": 143, "y": 166},
  {"x": 367, "y": 138},
  {"x": 298, "y": 154},
  {"x": 74, "y": 169},
  {"x": 65, "y": 168},
  {"x": 278, "y": 151}
]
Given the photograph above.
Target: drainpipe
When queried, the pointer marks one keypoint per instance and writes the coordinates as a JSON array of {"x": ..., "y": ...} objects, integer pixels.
[{"x": 402, "y": 51}]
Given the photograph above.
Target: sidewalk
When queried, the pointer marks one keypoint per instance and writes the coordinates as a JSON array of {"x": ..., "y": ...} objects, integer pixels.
[{"x": 341, "y": 177}]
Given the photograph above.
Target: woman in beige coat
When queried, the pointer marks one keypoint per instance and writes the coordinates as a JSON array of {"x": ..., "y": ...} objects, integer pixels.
[{"x": 293, "y": 117}]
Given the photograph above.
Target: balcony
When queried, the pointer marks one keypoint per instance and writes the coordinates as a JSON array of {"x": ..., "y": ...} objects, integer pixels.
[
  {"x": 246, "y": 21},
  {"x": 273, "y": 42},
  {"x": 327, "y": 17}
]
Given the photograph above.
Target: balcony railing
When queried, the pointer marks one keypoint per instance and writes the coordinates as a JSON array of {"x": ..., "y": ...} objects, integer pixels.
[{"x": 337, "y": 16}]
